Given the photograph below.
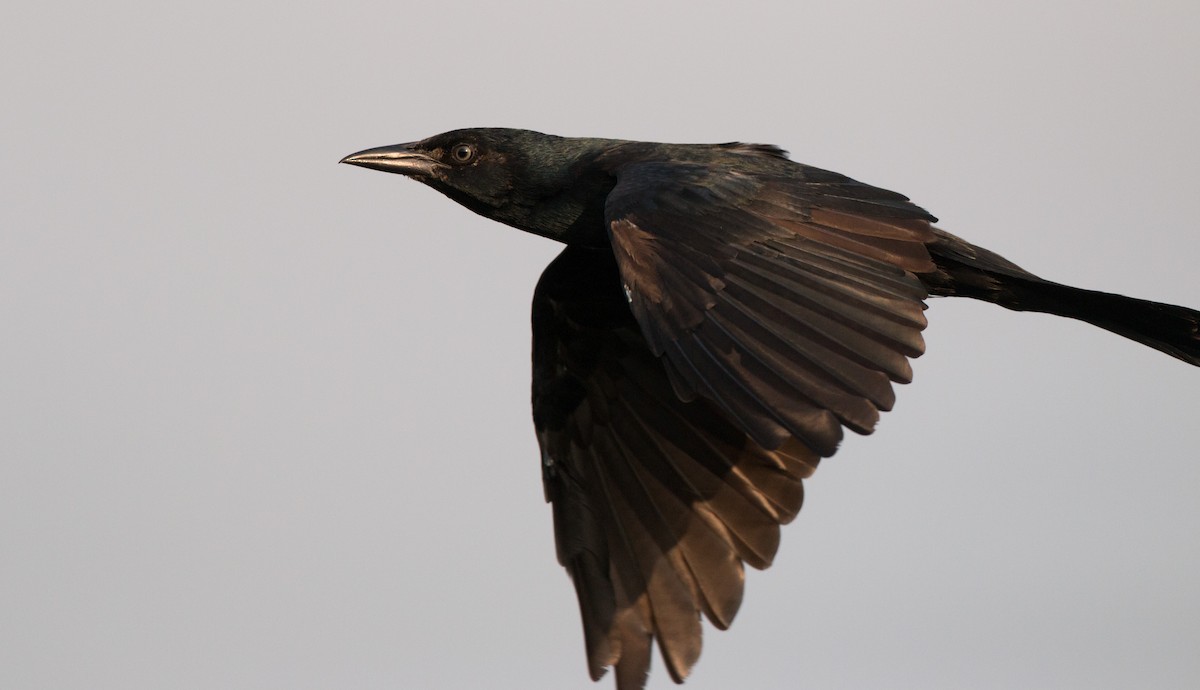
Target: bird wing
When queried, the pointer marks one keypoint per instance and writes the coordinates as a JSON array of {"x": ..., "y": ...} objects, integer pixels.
[
  {"x": 657, "y": 502},
  {"x": 686, "y": 381},
  {"x": 787, "y": 298}
]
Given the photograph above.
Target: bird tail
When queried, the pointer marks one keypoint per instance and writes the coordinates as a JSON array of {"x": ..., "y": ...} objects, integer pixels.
[{"x": 964, "y": 270}]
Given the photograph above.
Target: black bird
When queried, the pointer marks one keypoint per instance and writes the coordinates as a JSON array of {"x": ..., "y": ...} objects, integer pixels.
[{"x": 718, "y": 315}]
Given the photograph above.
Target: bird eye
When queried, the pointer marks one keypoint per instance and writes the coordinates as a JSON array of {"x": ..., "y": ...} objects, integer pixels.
[{"x": 463, "y": 153}]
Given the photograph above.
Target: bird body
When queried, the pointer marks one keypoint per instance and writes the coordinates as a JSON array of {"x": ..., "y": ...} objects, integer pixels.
[{"x": 719, "y": 315}]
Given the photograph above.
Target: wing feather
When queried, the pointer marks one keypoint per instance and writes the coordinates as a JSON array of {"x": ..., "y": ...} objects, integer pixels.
[
  {"x": 658, "y": 502},
  {"x": 805, "y": 306}
]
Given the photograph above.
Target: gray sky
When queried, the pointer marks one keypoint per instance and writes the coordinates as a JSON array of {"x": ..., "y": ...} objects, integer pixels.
[{"x": 265, "y": 418}]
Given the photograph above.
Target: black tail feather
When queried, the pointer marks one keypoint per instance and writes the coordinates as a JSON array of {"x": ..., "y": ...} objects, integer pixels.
[{"x": 965, "y": 270}]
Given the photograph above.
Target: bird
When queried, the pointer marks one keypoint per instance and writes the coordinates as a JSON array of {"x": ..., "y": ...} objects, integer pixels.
[{"x": 718, "y": 317}]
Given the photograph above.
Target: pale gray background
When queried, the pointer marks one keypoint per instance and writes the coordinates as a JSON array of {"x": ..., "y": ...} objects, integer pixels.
[{"x": 265, "y": 419}]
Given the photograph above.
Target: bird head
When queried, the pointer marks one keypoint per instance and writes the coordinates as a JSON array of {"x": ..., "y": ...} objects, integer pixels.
[{"x": 522, "y": 178}]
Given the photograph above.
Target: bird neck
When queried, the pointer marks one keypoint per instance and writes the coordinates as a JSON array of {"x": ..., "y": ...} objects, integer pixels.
[{"x": 564, "y": 198}]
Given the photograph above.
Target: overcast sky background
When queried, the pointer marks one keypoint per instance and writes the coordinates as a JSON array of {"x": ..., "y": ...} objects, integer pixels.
[{"x": 264, "y": 419}]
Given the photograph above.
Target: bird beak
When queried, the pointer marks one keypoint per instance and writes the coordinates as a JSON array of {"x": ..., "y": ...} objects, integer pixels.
[{"x": 403, "y": 159}]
